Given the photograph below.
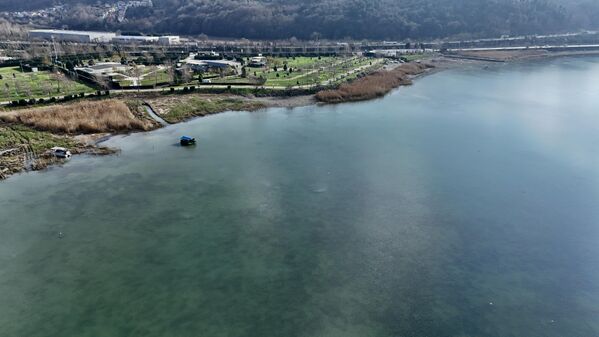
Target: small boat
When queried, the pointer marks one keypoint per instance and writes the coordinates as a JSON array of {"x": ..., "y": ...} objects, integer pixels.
[
  {"x": 186, "y": 141},
  {"x": 61, "y": 152}
]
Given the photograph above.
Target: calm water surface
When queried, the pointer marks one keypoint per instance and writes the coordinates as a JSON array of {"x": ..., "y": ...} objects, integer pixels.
[{"x": 466, "y": 205}]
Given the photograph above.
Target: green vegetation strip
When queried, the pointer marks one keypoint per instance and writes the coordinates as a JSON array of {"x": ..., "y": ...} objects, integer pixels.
[{"x": 200, "y": 107}]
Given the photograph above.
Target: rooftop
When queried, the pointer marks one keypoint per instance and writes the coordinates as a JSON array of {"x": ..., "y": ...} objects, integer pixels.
[{"x": 74, "y": 32}]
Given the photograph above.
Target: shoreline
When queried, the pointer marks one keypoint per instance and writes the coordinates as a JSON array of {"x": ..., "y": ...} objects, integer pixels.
[{"x": 91, "y": 143}]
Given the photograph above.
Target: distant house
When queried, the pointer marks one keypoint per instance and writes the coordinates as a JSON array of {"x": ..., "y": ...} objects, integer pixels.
[
  {"x": 257, "y": 62},
  {"x": 99, "y": 37},
  {"x": 29, "y": 69},
  {"x": 71, "y": 35},
  {"x": 163, "y": 40},
  {"x": 204, "y": 65},
  {"x": 103, "y": 68},
  {"x": 169, "y": 40},
  {"x": 135, "y": 39}
]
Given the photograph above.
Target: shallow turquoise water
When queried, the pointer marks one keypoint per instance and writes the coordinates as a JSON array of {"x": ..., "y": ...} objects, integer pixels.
[{"x": 465, "y": 205}]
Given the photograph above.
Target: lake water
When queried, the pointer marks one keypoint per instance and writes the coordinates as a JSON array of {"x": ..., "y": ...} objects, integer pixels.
[{"x": 465, "y": 205}]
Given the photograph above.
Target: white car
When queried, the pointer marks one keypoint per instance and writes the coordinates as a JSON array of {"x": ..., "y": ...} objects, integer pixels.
[{"x": 61, "y": 152}]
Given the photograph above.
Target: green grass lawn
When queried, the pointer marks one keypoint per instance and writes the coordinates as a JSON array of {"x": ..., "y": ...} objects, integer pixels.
[
  {"x": 16, "y": 85},
  {"x": 305, "y": 70},
  {"x": 151, "y": 78}
]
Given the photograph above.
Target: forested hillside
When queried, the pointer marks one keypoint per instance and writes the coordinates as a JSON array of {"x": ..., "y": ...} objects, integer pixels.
[
  {"x": 20, "y": 5},
  {"x": 374, "y": 19}
]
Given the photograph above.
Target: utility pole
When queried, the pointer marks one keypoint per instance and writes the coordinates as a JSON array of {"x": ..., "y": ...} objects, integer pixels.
[{"x": 55, "y": 52}]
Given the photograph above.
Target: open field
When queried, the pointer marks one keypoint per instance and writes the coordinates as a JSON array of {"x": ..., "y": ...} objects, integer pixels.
[
  {"x": 80, "y": 117},
  {"x": 302, "y": 71},
  {"x": 16, "y": 85}
]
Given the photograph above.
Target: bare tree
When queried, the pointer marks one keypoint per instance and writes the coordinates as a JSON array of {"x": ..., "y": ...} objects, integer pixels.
[
  {"x": 186, "y": 75},
  {"x": 170, "y": 71},
  {"x": 6, "y": 90},
  {"x": 102, "y": 82},
  {"x": 137, "y": 72},
  {"x": 60, "y": 80},
  {"x": 46, "y": 88}
]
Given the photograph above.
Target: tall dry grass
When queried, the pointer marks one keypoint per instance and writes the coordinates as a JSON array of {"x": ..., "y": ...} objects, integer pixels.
[
  {"x": 372, "y": 86},
  {"x": 81, "y": 117}
]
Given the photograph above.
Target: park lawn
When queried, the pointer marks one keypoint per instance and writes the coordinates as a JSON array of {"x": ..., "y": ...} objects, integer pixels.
[
  {"x": 161, "y": 76},
  {"x": 125, "y": 83},
  {"x": 306, "y": 71},
  {"x": 309, "y": 71},
  {"x": 330, "y": 69},
  {"x": 303, "y": 61},
  {"x": 300, "y": 65},
  {"x": 16, "y": 85}
]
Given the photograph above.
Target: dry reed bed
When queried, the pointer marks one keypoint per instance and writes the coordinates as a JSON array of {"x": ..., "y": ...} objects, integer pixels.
[
  {"x": 81, "y": 117},
  {"x": 372, "y": 86}
]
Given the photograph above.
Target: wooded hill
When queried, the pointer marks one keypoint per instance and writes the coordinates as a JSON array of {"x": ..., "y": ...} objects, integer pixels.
[{"x": 338, "y": 19}]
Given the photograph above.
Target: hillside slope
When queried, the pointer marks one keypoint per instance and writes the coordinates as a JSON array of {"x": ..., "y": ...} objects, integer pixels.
[{"x": 374, "y": 19}]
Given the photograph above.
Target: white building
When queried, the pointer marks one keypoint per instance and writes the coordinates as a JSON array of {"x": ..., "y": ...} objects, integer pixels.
[
  {"x": 203, "y": 65},
  {"x": 258, "y": 61},
  {"x": 104, "y": 68},
  {"x": 135, "y": 39},
  {"x": 99, "y": 37},
  {"x": 164, "y": 40},
  {"x": 169, "y": 40},
  {"x": 71, "y": 35}
]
